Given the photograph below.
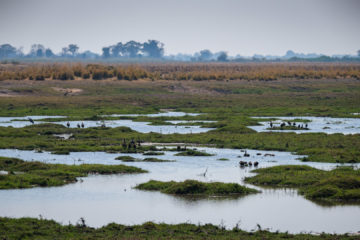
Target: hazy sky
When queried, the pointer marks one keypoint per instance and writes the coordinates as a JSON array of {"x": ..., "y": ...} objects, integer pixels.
[{"x": 241, "y": 27}]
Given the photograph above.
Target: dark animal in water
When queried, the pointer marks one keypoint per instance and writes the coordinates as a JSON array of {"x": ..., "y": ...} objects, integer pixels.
[
  {"x": 258, "y": 154},
  {"x": 132, "y": 144},
  {"x": 282, "y": 125},
  {"x": 30, "y": 119},
  {"x": 269, "y": 154},
  {"x": 246, "y": 154},
  {"x": 78, "y": 125},
  {"x": 271, "y": 124},
  {"x": 250, "y": 163},
  {"x": 289, "y": 123},
  {"x": 82, "y": 125},
  {"x": 306, "y": 126},
  {"x": 243, "y": 164},
  {"x": 294, "y": 124},
  {"x": 68, "y": 124},
  {"x": 256, "y": 164}
]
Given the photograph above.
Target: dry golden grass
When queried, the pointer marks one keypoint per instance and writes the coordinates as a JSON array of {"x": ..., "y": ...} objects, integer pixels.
[{"x": 179, "y": 71}]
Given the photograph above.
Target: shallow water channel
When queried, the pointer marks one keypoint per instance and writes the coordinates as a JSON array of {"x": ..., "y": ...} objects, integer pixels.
[
  {"x": 143, "y": 127},
  {"x": 104, "y": 199},
  {"x": 316, "y": 125}
]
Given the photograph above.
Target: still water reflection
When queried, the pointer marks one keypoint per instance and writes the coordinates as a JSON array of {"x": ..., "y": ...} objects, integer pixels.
[{"x": 104, "y": 199}]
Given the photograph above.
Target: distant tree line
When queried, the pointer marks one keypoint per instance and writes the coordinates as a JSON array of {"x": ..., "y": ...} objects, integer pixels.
[
  {"x": 154, "y": 49},
  {"x": 131, "y": 49}
]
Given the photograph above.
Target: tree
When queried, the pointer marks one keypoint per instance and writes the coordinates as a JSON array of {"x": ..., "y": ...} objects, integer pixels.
[
  {"x": 106, "y": 52},
  {"x": 153, "y": 48},
  {"x": 132, "y": 49},
  {"x": 49, "y": 53},
  {"x": 64, "y": 51},
  {"x": 205, "y": 55},
  {"x": 73, "y": 48},
  {"x": 6, "y": 51},
  {"x": 20, "y": 52},
  {"x": 222, "y": 57},
  {"x": 37, "y": 50},
  {"x": 117, "y": 50}
]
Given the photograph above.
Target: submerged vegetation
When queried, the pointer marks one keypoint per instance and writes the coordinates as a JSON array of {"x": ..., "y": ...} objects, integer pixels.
[
  {"x": 339, "y": 185},
  {"x": 191, "y": 152},
  {"x": 156, "y": 160},
  {"x": 132, "y": 159},
  {"x": 193, "y": 187},
  {"x": 21, "y": 174},
  {"x": 153, "y": 153}
]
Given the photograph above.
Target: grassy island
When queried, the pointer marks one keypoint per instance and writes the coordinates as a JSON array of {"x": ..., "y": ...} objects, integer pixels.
[
  {"x": 341, "y": 185},
  {"x": 193, "y": 187},
  {"x": 22, "y": 174}
]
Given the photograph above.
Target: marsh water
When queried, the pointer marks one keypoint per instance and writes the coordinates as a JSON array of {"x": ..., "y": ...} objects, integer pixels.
[
  {"x": 111, "y": 198},
  {"x": 143, "y": 127},
  {"x": 103, "y": 199},
  {"x": 315, "y": 124}
]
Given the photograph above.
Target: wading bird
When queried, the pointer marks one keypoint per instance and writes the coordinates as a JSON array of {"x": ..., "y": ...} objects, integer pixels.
[{"x": 30, "y": 119}]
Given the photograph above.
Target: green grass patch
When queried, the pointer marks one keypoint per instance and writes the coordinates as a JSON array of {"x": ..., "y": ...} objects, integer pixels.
[
  {"x": 22, "y": 174},
  {"x": 341, "y": 185},
  {"x": 193, "y": 187},
  {"x": 126, "y": 158},
  {"x": 31, "y": 228}
]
